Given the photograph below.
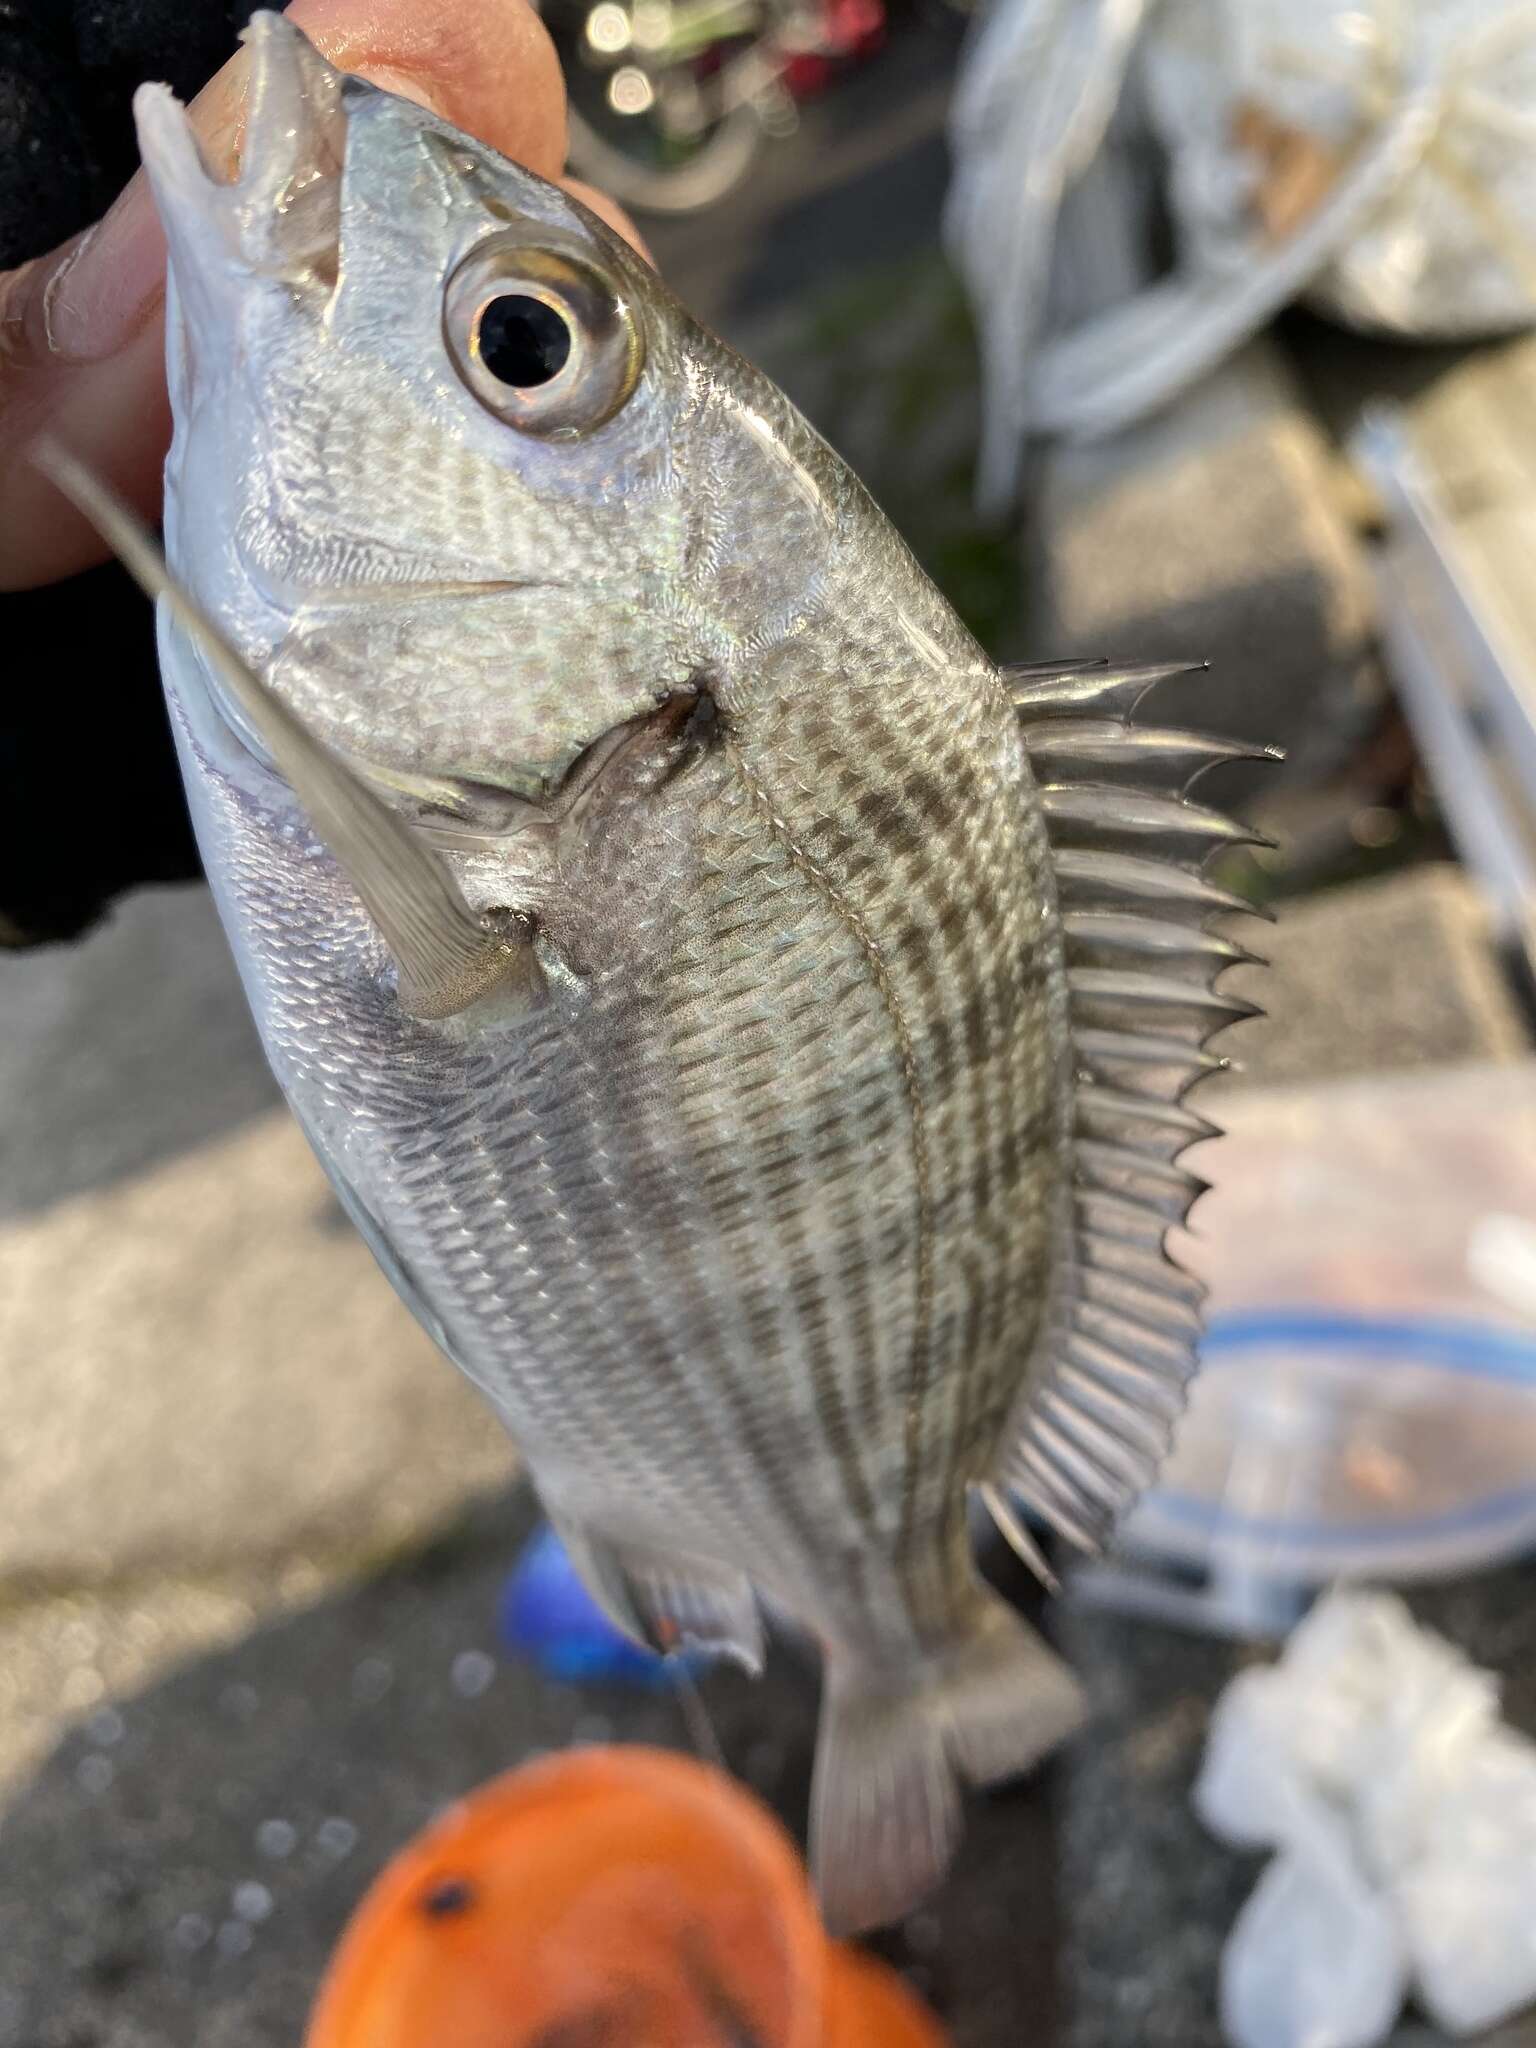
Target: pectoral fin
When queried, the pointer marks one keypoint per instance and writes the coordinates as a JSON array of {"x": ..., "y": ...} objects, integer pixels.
[
  {"x": 663, "y": 1602},
  {"x": 447, "y": 957}
]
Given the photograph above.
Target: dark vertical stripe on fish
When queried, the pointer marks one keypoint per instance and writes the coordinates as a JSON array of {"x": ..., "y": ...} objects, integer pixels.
[
  {"x": 829, "y": 1399},
  {"x": 983, "y": 1026}
]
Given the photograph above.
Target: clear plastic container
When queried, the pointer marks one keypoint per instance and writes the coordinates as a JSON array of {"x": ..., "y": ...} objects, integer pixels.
[
  {"x": 1330, "y": 1445},
  {"x": 1367, "y": 1400}
]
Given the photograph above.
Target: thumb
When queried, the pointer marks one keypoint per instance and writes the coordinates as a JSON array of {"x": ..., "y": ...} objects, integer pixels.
[{"x": 82, "y": 347}]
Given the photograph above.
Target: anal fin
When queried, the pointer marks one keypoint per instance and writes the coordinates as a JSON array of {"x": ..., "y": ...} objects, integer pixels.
[{"x": 665, "y": 1602}]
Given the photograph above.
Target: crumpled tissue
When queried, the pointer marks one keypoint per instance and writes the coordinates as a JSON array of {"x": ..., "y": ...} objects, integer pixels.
[{"x": 1372, "y": 1758}]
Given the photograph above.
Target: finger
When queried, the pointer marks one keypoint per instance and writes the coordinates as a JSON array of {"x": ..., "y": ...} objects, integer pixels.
[
  {"x": 610, "y": 211},
  {"x": 81, "y": 330},
  {"x": 486, "y": 65},
  {"x": 82, "y": 352}
]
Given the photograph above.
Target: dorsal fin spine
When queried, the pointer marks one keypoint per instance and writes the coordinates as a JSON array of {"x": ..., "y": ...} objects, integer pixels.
[{"x": 1129, "y": 852}]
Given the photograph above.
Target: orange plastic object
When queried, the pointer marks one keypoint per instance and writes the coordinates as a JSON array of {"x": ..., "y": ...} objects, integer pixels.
[
  {"x": 866, "y": 2005},
  {"x": 620, "y": 1898}
]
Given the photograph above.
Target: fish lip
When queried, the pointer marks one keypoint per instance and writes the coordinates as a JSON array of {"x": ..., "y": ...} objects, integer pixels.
[
  {"x": 279, "y": 214},
  {"x": 294, "y": 149}
]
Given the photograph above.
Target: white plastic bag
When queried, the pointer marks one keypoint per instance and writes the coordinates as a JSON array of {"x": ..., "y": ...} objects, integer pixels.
[
  {"x": 1468, "y": 1900},
  {"x": 1373, "y": 1758},
  {"x": 1315, "y": 1959},
  {"x": 1374, "y": 157},
  {"x": 1251, "y": 1784}
]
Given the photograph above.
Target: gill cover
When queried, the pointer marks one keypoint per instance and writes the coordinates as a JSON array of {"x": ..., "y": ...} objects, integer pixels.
[{"x": 446, "y": 957}]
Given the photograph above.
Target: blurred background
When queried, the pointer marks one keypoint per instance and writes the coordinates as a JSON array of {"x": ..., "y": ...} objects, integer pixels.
[{"x": 1194, "y": 330}]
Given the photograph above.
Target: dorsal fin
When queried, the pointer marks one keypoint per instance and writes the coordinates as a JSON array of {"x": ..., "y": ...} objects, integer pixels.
[
  {"x": 1074, "y": 689},
  {"x": 1143, "y": 968}
]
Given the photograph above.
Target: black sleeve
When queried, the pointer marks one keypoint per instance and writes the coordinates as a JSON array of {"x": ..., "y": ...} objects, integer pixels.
[{"x": 90, "y": 799}]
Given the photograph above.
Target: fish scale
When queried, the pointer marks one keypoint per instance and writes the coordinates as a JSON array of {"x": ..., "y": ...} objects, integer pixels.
[
  {"x": 749, "y": 1028},
  {"x": 772, "y": 1226},
  {"x": 918, "y": 847}
]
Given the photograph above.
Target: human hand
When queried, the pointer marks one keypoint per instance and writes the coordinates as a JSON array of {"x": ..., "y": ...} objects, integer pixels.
[{"x": 82, "y": 342}]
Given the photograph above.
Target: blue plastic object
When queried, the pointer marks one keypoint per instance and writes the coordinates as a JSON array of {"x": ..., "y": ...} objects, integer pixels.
[
  {"x": 549, "y": 1617},
  {"x": 1456, "y": 1343}
]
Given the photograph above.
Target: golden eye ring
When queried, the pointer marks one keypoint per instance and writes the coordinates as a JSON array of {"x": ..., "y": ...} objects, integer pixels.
[{"x": 542, "y": 337}]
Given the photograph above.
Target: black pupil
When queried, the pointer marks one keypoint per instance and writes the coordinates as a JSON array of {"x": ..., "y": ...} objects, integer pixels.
[{"x": 523, "y": 342}]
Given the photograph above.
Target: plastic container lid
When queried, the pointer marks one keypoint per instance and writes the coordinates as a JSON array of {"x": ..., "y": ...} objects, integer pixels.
[{"x": 1321, "y": 1444}]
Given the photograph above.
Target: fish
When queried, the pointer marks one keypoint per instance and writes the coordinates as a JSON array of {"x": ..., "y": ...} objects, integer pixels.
[{"x": 749, "y": 1027}]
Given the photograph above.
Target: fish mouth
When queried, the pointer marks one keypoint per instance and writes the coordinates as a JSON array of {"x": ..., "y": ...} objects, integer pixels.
[{"x": 279, "y": 214}]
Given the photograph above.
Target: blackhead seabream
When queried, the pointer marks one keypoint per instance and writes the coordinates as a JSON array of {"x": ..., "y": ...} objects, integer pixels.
[{"x": 750, "y": 1028}]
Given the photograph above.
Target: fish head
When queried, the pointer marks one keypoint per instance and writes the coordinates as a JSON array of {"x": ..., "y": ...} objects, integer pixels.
[{"x": 451, "y": 466}]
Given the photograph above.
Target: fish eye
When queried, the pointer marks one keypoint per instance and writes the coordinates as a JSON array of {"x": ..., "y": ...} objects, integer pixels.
[{"x": 544, "y": 339}]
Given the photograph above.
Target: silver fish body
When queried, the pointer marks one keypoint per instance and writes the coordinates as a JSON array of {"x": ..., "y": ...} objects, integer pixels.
[{"x": 758, "y": 1203}]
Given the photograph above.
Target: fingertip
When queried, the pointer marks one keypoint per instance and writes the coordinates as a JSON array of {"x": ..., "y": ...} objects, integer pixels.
[
  {"x": 609, "y": 211},
  {"x": 490, "y": 67}
]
